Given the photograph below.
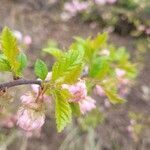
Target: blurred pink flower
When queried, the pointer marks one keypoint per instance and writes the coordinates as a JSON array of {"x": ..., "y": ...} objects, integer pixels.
[
  {"x": 87, "y": 104},
  {"x": 120, "y": 72},
  {"x": 147, "y": 31},
  {"x": 75, "y": 6},
  {"x": 9, "y": 121},
  {"x": 100, "y": 2},
  {"x": 99, "y": 90},
  {"x": 130, "y": 129},
  {"x": 107, "y": 103},
  {"x": 78, "y": 90},
  {"x": 79, "y": 93},
  {"x": 27, "y": 98},
  {"x": 30, "y": 119},
  {"x": 111, "y": 1},
  {"x": 27, "y": 40}
]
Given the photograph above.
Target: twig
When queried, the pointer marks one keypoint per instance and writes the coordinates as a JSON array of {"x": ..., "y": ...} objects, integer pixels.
[{"x": 7, "y": 85}]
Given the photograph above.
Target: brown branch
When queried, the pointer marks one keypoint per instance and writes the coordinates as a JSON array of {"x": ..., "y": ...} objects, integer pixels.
[{"x": 7, "y": 85}]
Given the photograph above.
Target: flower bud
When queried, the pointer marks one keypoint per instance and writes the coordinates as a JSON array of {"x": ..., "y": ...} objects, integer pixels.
[
  {"x": 30, "y": 119},
  {"x": 87, "y": 104}
]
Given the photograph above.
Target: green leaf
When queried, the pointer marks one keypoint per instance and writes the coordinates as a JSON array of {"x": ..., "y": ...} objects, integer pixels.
[
  {"x": 99, "y": 67},
  {"x": 75, "y": 109},
  {"x": 57, "y": 53},
  {"x": 22, "y": 58},
  {"x": 4, "y": 65},
  {"x": 63, "y": 112},
  {"x": 10, "y": 48},
  {"x": 40, "y": 69},
  {"x": 113, "y": 97},
  {"x": 90, "y": 46},
  {"x": 97, "y": 42},
  {"x": 68, "y": 68}
]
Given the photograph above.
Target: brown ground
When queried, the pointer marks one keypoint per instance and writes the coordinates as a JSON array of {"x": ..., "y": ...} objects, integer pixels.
[{"x": 42, "y": 22}]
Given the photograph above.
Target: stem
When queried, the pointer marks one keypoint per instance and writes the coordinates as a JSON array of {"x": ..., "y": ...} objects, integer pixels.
[{"x": 7, "y": 85}]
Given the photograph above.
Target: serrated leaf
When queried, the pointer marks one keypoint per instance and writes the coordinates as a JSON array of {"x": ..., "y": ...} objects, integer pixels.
[
  {"x": 99, "y": 40},
  {"x": 75, "y": 109},
  {"x": 10, "y": 48},
  {"x": 99, "y": 67},
  {"x": 4, "y": 65},
  {"x": 57, "y": 53},
  {"x": 68, "y": 68},
  {"x": 63, "y": 112},
  {"x": 114, "y": 98},
  {"x": 90, "y": 46},
  {"x": 40, "y": 69},
  {"x": 22, "y": 58}
]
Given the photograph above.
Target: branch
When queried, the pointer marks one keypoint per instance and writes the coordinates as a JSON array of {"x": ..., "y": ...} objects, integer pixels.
[{"x": 7, "y": 85}]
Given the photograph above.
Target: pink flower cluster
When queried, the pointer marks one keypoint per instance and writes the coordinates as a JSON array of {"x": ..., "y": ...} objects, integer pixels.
[
  {"x": 123, "y": 82},
  {"x": 103, "y": 2},
  {"x": 72, "y": 8},
  {"x": 31, "y": 115},
  {"x": 30, "y": 119},
  {"x": 8, "y": 121},
  {"x": 100, "y": 92},
  {"x": 26, "y": 40},
  {"x": 79, "y": 93},
  {"x": 144, "y": 29}
]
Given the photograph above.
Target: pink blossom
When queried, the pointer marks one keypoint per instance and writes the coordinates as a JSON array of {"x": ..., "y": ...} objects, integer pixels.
[
  {"x": 123, "y": 91},
  {"x": 75, "y": 6},
  {"x": 120, "y": 72},
  {"x": 78, "y": 90},
  {"x": 141, "y": 27},
  {"x": 147, "y": 31},
  {"x": 100, "y": 2},
  {"x": 123, "y": 81},
  {"x": 66, "y": 16},
  {"x": 9, "y": 121},
  {"x": 107, "y": 103},
  {"x": 29, "y": 119},
  {"x": 99, "y": 90},
  {"x": 87, "y": 104},
  {"x": 79, "y": 93},
  {"x": 27, "y": 98},
  {"x": 111, "y": 1},
  {"x": 36, "y": 89},
  {"x": 27, "y": 40},
  {"x": 130, "y": 129}
]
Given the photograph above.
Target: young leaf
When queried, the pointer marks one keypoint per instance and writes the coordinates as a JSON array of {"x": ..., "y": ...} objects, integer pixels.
[
  {"x": 75, "y": 109},
  {"x": 99, "y": 67},
  {"x": 63, "y": 112},
  {"x": 4, "y": 65},
  {"x": 68, "y": 68},
  {"x": 40, "y": 69},
  {"x": 90, "y": 46},
  {"x": 114, "y": 98},
  {"x": 57, "y": 53},
  {"x": 10, "y": 48},
  {"x": 22, "y": 58}
]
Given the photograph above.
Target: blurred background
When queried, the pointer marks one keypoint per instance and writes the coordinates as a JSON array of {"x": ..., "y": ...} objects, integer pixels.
[{"x": 38, "y": 23}]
